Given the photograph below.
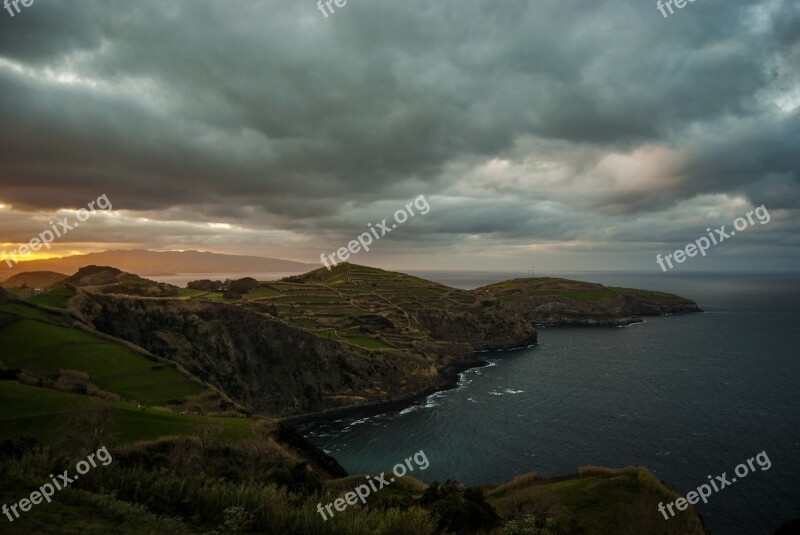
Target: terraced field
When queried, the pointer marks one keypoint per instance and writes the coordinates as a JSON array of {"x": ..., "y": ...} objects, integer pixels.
[{"x": 377, "y": 309}]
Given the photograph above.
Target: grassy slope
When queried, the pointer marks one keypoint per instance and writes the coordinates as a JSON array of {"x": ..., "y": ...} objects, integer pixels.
[
  {"x": 78, "y": 513},
  {"x": 57, "y": 297},
  {"x": 45, "y": 343},
  {"x": 598, "y": 500},
  {"x": 577, "y": 290},
  {"x": 31, "y": 340},
  {"x": 40, "y": 413},
  {"x": 555, "y": 300},
  {"x": 33, "y": 279}
]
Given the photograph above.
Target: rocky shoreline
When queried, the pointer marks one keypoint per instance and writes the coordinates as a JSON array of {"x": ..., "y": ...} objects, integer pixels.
[{"x": 450, "y": 379}]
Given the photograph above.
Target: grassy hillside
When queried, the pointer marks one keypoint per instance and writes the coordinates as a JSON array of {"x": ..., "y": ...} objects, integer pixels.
[
  {"x": 382, "y": 309},
  {"x": 56, "y": 297},
  {"x": 45, "y": 415},
  {"x": 33, "y": 279},
  {"x": 595, "y": 501},
  {"x": 114, "y": 281},
  {"x": 47, "y": 349},
  {"x": 555, "y": 301},
  {"x": 43, "y": 345}
]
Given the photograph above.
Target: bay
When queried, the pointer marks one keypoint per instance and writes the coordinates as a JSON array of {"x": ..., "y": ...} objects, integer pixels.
[{"x": 686, "y": 396}]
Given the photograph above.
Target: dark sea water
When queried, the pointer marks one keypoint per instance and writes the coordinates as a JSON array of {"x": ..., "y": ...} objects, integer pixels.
[{"x": 686, "y": 396}]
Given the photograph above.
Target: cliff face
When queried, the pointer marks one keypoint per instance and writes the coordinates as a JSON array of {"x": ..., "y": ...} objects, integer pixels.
[
  {"x": 267, "y": 365},
  {"x": 492, "y": 326},
  {"x": 551, "y": 301},
  {"x": 304, "y": 346}
]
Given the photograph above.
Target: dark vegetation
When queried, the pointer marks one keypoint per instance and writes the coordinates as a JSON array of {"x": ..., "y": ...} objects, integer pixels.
[
  {"x": 196, "y": 484},
  {"x": 113, "y": 281}
]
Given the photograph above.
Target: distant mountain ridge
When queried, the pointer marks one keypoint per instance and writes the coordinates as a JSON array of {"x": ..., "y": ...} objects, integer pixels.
[{"x": 144, "y": 262}]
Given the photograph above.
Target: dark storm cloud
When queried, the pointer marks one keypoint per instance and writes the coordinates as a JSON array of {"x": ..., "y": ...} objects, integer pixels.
[{"x": 268, "y": 115}]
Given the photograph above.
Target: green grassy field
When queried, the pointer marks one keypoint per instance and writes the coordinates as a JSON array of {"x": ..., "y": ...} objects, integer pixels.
[
  {"x": 33, "y": 344},
  {"x": 36, "y": 412},
  {"x": 56, "y": 297},
  {"x": 657, "y": 297},
  {"x": 189, "y": 293},
  {"x": 589, "y": 296},
  {"x": 41, "y": 413}
]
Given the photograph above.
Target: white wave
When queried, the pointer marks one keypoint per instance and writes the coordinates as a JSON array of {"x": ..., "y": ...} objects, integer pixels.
[{"x": 357, "y": 422}]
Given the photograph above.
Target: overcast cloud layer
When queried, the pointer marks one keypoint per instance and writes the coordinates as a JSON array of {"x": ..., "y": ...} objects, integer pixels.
[{"x": 568, "y": 134}]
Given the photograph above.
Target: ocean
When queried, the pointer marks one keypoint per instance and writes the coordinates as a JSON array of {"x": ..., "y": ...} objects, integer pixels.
[{"x": 686, "y": 396}]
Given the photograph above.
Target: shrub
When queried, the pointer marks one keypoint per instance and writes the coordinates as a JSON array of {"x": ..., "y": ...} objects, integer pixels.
[
  {"x": 531, "y": 526},
  {"x": 243, "y": 286},
  {"x": 458, "y": 509},
  {"x": 205, "y": 285}
]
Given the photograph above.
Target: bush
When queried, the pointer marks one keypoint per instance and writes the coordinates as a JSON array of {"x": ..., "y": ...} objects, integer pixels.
[
  {"x": 531, "y": 526},
  {"x": 205, "y": 285},
  {"x": 243, "y": 286},
  {"x": 458, "y": 509}
]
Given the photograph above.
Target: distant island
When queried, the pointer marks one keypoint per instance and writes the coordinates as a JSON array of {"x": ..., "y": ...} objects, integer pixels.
[{"x": 143, "y": 262}]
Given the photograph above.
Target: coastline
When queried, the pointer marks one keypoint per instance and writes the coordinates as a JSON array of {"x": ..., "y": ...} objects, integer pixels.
[{"x": 451, "y": 376}]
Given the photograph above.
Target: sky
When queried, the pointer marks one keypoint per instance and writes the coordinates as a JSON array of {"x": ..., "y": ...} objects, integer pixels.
[{"x": 565, "y": 134}]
